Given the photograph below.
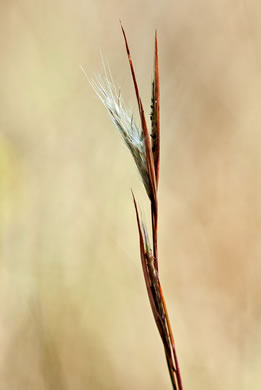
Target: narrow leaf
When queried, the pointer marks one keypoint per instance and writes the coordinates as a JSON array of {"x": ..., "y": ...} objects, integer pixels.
[
  {"x": 149, "y": 157},
  {"x": 144, "y": 265},
  {"x": 153, "y": 289}
]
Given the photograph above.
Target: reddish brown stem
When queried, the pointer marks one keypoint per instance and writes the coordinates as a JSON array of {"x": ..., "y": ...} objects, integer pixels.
[
  {"x": 154, "y": 218},
  {"x": 179, "y": 380}
]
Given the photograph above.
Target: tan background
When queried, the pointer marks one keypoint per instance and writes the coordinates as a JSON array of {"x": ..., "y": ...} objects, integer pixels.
[{"x": 74, "y": 311}]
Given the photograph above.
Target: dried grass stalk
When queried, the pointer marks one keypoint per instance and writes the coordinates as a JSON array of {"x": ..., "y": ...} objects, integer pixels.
[{"x": 146, "y": 153}]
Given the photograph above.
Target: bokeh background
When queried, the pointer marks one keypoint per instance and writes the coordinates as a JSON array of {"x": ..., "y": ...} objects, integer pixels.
[{"x": 74, "y": 311}]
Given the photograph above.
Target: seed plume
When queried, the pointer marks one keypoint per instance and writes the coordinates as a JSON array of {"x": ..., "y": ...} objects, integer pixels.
[{"x": 124, "y": 121}]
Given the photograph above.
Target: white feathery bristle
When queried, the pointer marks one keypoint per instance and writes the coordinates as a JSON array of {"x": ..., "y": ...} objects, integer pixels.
[{"x": 123, "y": 120}]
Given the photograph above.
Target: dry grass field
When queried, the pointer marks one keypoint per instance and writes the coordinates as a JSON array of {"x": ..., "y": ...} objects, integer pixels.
[{"x": 74, "y": 311}]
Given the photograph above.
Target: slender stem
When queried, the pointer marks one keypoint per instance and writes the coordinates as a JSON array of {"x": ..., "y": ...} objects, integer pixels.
[
  {"x": 154, "y": 218},
  {"x": 172, "y": 375},
  {"x": 179, "y": 380}
]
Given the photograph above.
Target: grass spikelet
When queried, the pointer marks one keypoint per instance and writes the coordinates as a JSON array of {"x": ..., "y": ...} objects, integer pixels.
[{"x": 124, "y": 121}]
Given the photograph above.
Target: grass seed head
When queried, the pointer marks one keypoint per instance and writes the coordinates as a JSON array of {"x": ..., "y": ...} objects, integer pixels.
[{"x": 124, "y": 122}]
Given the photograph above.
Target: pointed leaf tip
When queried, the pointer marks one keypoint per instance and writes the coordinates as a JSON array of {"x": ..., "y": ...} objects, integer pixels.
[{"x": 149, "y": 157}]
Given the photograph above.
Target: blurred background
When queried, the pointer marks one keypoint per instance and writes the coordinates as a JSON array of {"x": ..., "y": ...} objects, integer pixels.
[{"x": 74, "y": 310}]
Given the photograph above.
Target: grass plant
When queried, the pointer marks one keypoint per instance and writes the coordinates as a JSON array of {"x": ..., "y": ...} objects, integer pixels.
[{"x": 145, "y": 149}]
